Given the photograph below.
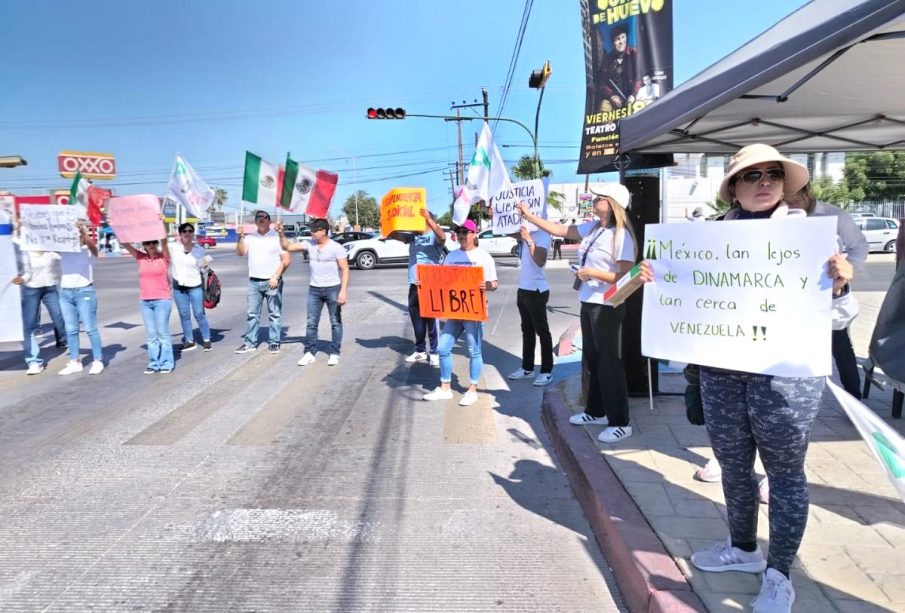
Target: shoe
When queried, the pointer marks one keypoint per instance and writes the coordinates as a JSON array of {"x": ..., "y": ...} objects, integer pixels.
[
  {"x": 150, "y": 371},
  {"x": 434, "y": 359},
  {"x": 71, "y": 368},
  {"x": 207, "y": 345},
  {"x": 543, "y": 379},
  {"x": 62, "y": 345},
  {"x": 709, "y": 473},
  {"x": 273, "y": 347},
  {"x": 439, "y": 394},
  {"x": 97, "y": 367},
  {"x": 308, "y": 358},
  {"x": 165, "y": 371},
  {"x": 468, "y": 399},
  {"x": 418, "y": 356},
  {"x": 333, "y": 360},
  {"x": 763, "y": 491},
  {"x": 188, "y": 346},
  {"x": 583, "y": 419},
  {"x": 723, "y": 557},
  {"x": 614, "y": 434},
  {"x": 34, "y": 369},
  {"x": 521, "y": 374},
  {"x": 776, "y": 594},
  {"x": 245, "y": 348}
]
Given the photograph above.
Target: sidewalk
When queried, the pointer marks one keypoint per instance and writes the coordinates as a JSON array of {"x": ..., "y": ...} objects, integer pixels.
[{"x": 649, "y": 514}]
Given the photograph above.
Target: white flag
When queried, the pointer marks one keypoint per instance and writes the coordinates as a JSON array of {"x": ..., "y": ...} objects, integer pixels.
[
  {"x": 462, "y": 205},
  {"x": 187, "y": 188},
  {"x": 487, "y": 174}
]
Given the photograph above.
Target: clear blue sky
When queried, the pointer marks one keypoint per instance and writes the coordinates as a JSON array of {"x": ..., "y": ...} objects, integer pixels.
[{"x": 212, "y": 79}]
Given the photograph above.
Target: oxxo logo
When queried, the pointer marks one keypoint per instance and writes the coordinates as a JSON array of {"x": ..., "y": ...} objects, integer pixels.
[{"x": 91, "y": 165}]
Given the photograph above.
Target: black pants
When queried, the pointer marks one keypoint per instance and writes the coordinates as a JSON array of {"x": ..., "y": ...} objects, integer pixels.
[
  {"x": 423, "y": 327},
  {"x": 557, "y": 250},
  {"x": 532, "y": 306},
  {"x": 607, "y": 391},
  {"x": 846, "y": 364}
]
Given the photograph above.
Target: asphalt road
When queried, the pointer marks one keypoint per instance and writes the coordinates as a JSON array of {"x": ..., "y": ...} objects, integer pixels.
[{"x": 248, "y": 483}]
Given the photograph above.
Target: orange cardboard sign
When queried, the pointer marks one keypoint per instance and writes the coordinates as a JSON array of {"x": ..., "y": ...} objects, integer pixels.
[
  {"x": 400, "y": 210},
  {"x": 452, "y": 292}
]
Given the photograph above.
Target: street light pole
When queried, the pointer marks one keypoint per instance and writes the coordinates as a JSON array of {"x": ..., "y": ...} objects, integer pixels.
[{"x": 538, "y": 80}]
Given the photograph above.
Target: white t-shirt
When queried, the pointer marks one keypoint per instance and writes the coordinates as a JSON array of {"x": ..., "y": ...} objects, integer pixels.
[
  {"x": 473, "y": 257},
  {"x": 531, "y": 276},
  {"x": 598, "y": 245},
  {"x": 75, "y": 269},
  {"x": 264, "y": 253},
  {"x": 38, "y": 268},
  {"x": 324, "y": 265},
  {"x": 186, "y": 267}
]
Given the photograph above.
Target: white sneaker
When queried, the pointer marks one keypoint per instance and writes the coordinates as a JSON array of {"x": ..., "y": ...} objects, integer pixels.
[
  {"x": 71, "y": 368},
  {"x": 521, "y": 374},
  {"x": 709, "y": 473},
  {"x": 333, "y": 360},
  {"x": 763, "y": 491},
  {"x": 439, "y": 394},
  {"x": 435, "y": 359},
  {"x": 583, "y": 419},
  {"x": 614, "y": 434},
  {"x": 34, "y": 369},
  {"x": 776, "y": 594},
  {"x": 418, "y": 356},
  {"x": 543, "y": 379},
  {"x": 468, "y": 399},
  {"x": 723, "y": 557},
  {"x": 308, "y": 358},
  {"x": 97, "y": 367}
]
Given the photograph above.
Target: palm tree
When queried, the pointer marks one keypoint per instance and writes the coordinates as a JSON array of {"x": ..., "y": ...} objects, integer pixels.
[
  {"x": 525, "y": 168},
  {"x": 220, "y": 197}
]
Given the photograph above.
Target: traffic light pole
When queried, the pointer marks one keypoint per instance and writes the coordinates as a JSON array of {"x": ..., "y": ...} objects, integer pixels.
[{"x": 456, "y": 118}]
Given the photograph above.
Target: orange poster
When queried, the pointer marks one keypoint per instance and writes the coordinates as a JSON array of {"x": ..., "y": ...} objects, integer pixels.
[
  {"x": 400, "y": 210},
  {"x": 452, "y": 292}
]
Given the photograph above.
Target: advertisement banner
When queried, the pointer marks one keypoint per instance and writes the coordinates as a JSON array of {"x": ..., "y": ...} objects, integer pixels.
[
  {"x": 628, "y": 65},
  {"x": 400, "y": 210},
  {"x": 90, "y": 165}
]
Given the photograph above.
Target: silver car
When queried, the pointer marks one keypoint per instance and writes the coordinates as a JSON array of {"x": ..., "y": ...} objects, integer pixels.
[{"x": 880, "y": 232}]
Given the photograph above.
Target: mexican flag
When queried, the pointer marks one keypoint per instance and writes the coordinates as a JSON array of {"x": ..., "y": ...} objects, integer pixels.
[
  {"x": 78, "y": 193},
  {"x": 308, "y": 190},
  {"x": 263, "y": 181}
]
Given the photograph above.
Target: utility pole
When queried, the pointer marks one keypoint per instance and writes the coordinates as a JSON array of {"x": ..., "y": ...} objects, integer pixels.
[{"x": 460, "y": 166}]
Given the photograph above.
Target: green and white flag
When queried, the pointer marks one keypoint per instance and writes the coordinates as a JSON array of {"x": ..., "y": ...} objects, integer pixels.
[
  {"x": 487, "y": 175},
  {"x": 263, "y": 181},
  {"x": 78, "y": 193}
]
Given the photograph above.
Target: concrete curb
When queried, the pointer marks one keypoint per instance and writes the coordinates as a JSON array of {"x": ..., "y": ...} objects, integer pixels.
[{"x": 646, "y": 573}]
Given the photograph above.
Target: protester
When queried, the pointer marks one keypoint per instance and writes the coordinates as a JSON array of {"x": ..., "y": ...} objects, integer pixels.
[
  {"x": 78, "y": 302},
  {"x": 188, "y": 262},
  {"x": 748, "y": 413},
  {"x": 531, "y": 300},
  {"x": 468, "y": 254},
  {"x": 38, "y": 277},
  {"x": 557, "y": 248},
  {"x": 156, "y": 302},
  {"x": 329, "y": 281},
  {"x": 267, "y": 262},
  {"x": 424, "y": 248},
  {"x": 607, "y": 252}
]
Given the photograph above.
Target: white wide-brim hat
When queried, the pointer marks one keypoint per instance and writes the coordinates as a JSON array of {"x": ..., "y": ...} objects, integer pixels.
[
  {"x": 797, "y": 175},
  {"x": 616, "y": 192}
]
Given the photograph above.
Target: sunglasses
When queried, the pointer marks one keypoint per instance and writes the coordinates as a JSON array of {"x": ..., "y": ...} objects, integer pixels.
[
  {"x": 262, "y": 218},
  {"x": 188, "y": 232},
  {"x": 463, "y": 231},
  {"x": 774, "y": 175}
]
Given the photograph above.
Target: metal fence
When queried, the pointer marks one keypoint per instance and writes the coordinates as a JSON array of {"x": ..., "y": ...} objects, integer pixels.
[{"x": 886, "y": 208}]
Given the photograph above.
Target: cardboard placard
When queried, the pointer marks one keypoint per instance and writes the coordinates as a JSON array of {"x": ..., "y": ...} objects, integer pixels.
[
  {"x": 135, "y": 218},
  {"x": 400, "y": 210},
  {"x": 48, "y": 227},
  {"x": 506, "y": 219},
  {"x": 452, "y": 292}
]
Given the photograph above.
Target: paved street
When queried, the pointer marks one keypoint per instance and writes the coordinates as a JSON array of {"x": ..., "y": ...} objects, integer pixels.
[{"x": 248, "y": 483}]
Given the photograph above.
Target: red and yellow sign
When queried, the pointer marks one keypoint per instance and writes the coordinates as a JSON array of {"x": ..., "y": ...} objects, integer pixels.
[
  {"x": 400, "y": 210},
  {"x": 91, "y": 165},
  {"x": 452, "y": 292},
  {"x": 61, "y": 196}
]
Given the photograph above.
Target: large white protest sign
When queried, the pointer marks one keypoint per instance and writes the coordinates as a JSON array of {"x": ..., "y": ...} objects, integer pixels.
[
  {"x": 506, "y": 219},
  {"x": 48, "y": 227},
  {"x": 10, "y": 294},
  {"x": 748, "y": 295},
  {"x": 135, "y": 218}
]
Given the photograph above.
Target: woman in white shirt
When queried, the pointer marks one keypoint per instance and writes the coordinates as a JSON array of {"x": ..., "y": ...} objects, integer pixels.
[
  {"x": 187, "y": 264},
  {"x": 39, "y": 276},
  {"x": 78, "y": 301}
]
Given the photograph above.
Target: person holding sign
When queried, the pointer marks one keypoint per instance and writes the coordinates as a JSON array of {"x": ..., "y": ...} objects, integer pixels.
[
  {"x": 748, "y": 413},
  {"x": 606, "y": 253},
  {"x": 424, "y": 248},
  {"x": 188, "y": 263},
  {"x": 469, "y": 254},
  {"x": 78, "y": 301},
  {"x": 156, "y": 301}
]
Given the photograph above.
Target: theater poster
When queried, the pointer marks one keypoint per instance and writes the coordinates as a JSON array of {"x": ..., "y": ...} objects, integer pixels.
[{"x": 628, "y": 65}]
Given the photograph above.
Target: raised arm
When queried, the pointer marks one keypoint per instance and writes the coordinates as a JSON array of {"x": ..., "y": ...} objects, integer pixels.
[
  {"x": 285, "y": 245},
  {"x": 86, "y": 239},
  {"x": 552, "y": 228}
]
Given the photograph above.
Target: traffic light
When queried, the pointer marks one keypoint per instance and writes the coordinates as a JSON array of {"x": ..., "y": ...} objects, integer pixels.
[
  {"x": 387, "y": 113},
  {"x": 538, "y": 78}
]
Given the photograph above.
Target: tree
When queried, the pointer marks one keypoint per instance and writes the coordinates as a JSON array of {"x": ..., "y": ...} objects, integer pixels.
[
  {"x": 555, "y": 201},
  {"x": 445, "y": 219},
  {"x": 824, "y": 190},
  {"x": 525, "y": 168},
  {"x": 220, "y": 197},
  {"x": 875, "y": 176},
  {"x": 368, "y": 209}
]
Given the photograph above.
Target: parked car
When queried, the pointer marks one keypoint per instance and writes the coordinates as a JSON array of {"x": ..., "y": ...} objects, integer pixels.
[
  {"x": 344, "y": 237},
  {"x": 880, "y": 232},
  {"x": 367, "y": 253},
  {"x": 497, "y": 245},
  {"x": 206, "y": 241}
]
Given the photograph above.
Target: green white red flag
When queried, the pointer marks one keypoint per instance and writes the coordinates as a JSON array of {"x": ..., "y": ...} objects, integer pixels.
[
  {"x": 263, "y": 181},
  {"x": 78, "y": 193},
  {"x": 308, "y": 190}
]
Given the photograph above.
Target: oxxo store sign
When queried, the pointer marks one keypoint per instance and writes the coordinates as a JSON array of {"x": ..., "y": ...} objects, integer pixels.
[{"x": 91, "y": 165}]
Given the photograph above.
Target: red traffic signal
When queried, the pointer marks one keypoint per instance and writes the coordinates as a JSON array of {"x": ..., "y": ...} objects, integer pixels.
[{"x": 387, "y": 113}]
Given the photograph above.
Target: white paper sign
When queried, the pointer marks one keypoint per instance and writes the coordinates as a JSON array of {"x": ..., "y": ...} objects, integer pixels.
[
  {"x": 749, "y": 295},
  {"x": 10, "y": 295},
  {"x": 506, "y": 219},
  {"x": 48, "y": 227}
]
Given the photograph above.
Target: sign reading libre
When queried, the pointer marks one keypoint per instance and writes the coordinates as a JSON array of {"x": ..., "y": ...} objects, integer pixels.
[
  {"x": 400, "y": 210},
  {"x": 452, "y": 292},
  {"x": 91, "y": 165},
  {"x": 748, "y": 295}
]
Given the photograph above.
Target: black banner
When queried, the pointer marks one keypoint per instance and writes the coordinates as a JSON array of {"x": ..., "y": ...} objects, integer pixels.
[{"x": 629, "y": 65}]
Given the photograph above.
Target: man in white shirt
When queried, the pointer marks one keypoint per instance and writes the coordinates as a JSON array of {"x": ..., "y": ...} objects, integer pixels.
[
  {"x": 267, "y": 262},
  {"x": 39, "y": 276}
]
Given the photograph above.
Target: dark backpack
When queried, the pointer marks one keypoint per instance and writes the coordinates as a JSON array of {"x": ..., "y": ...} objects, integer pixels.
[{"x": 211, "y": 289}]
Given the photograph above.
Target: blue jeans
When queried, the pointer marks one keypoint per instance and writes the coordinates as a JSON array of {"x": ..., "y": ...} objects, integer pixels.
[
  {"x": 257, "y": 292},
  {"x": 189, "y": 301},
  {"x": 474, "y": 334},
  {"x": 156, "y": 314},
  {"x": 317, "y": 298},
  {"x": 80, "y": 305},
  {"x": 31, "y": 318}
]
